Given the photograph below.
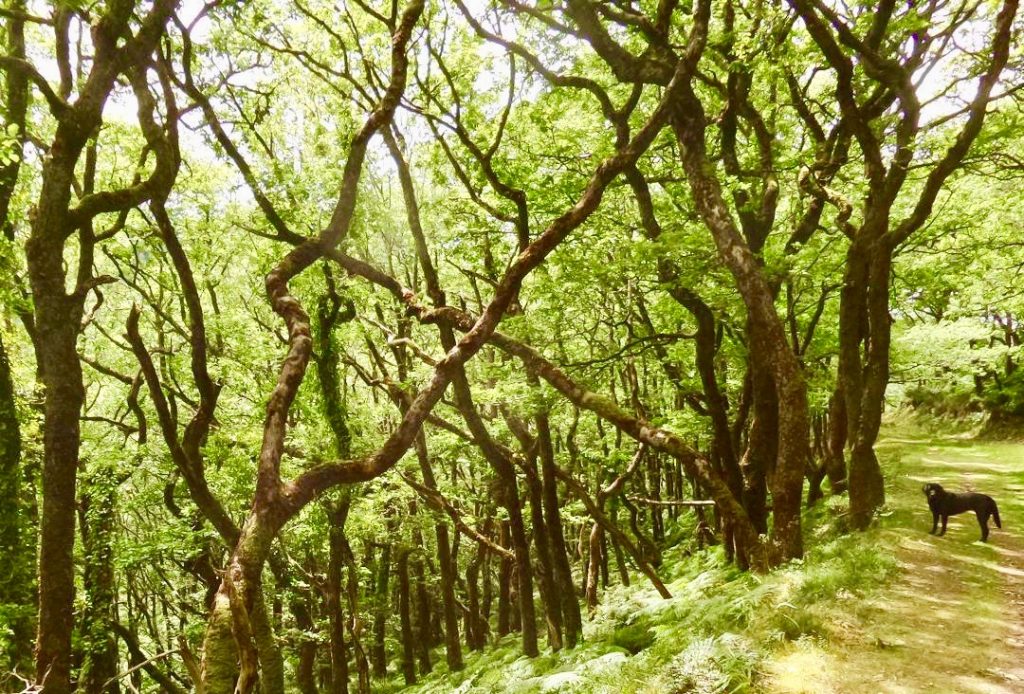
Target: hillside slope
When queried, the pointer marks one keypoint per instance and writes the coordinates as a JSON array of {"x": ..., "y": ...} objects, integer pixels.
[{"x": 892, "y": 610}]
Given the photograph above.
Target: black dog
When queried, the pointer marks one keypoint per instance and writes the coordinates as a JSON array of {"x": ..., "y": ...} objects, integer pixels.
[{"x": 946, "y": 504}]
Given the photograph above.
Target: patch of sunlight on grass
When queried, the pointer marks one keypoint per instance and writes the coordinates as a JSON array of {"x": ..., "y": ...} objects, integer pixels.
[
  {"x": 805, "y": 669},
  {"x": 972, "y": 684},
  {"x": 1003, "y": 569},
  {"x": 956, "y": 464}
]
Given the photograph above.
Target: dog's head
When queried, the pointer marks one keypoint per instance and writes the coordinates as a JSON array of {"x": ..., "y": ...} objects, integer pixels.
[{"x": 932, "y": 490}]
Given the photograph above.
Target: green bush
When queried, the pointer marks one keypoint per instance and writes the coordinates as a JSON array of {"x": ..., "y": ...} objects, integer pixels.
[
  {"x": 727, "y": 663},
  {"x": 634, "y": 637},
  {"x": 1005, "y": 396},
  {"x": 794, "y": 623}
]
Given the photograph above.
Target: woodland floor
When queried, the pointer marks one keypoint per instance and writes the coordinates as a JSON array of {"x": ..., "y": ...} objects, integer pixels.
[
  {"x": 893, "y": 610},
  {"x": 952, "y": 621}
]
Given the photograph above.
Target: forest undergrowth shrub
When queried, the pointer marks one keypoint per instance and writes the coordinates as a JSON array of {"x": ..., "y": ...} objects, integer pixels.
[
  {"x": 997, "y": 414},
  {"x": 913, "y": 421},
  {"x": 634, "y": 637},
  {"x": 954, "y": 402},
  {"x": 725, "y": 663},
  {"x": 803, "y": 600}
]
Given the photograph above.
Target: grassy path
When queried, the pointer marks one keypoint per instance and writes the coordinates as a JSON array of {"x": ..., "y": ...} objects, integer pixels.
[{"x": 953, "y": 621}]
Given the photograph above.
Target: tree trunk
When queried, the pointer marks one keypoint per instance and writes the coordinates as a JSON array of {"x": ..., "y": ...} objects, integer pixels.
[
  {"x": 864, "y": 317},
  {"x": 545, "y": 571},
  {"x": 509, "y": 492},
  {"x": 762, "y": 445},
  {"x": 356, "y": 623},
  {"x": 99, "y": 644},
  {"x": 220, "y": 653},
  {"x": 305, "y": 667},
  {"x": 57, "y": 320},
  {"x": 477, "y": 606},
  {"x": 474, "y": 635},
  {"x": 268, "y": 651},
  {"x": 487, "y": 599},
  {"x": 421, "y": 626},
  {"x": 593, "y": 567},
  {"x": 16, "y": 595},
  {"x": 566, "y": 590},
  {"x": 337, "y": 514},
  {"x": 452, "y": 645},
  {"x": 835, "y": 443},
  {"x": 654, "y": 485},
  {"x": 58, "y": 317},
  {"x": 404, "y": 612},
  {"x": 604, "y": 561},
  {"x": 378, "y": 653},
  {"x": 620, "y": 562},
  {"x": 504, "y": 585},
  {"x": 768, "y": 337},
  {"x": 239, "y": 639},
  {"x": 524, "y": 572}
]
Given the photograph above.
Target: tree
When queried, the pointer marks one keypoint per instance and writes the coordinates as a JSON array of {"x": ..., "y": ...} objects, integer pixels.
[
  {"x": 888, "y": 55},
  {"x": 588, "y": 288}
]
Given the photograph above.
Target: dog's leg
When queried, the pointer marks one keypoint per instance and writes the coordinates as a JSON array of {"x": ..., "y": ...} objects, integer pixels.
[
  {"x": 935, "y": 523},
  {"x": 983, "y": 522},
  {"x": 944, "y": 519}
]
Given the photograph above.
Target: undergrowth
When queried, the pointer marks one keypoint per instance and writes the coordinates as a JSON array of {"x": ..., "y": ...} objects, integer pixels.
[{"x": 712, "y": 636}]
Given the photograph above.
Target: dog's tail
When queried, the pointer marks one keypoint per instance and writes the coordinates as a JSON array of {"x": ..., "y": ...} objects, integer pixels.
[{"x": 995, "y": 515}]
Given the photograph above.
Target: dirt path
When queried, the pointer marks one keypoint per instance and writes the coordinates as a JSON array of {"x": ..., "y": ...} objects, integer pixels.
[{"x": 953, "y": 621}]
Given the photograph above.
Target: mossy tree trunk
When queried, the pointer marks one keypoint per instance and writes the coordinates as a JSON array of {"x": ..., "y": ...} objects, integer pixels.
[
  {"x": 405, "y": 617},
  {"x": 58, "y": 312},
  {"x": 98, "y": 509},
  {"x": 16, "y": 594}
]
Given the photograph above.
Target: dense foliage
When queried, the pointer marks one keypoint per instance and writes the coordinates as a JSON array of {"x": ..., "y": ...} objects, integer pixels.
[{"x": 341, "y": 339}]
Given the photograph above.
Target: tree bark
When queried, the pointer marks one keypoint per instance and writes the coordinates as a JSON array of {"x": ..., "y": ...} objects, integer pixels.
[
  {"x": 337, "y": 514},
  {"x": 405, "y": 616},
  {"x": 421, "y": 626},
  {"x": 378, "y": 653},
  {"x": 58, "y": 314},
  {"x": 762, "y": 444},
  {"x": 57, "y": 321},
  {"x": 16, "y": 595},
  {"x": 835, "y": 442},
  {"x": 504, "y": 584},
  {"x": 98, "y": 509},
  {"x": 541, "y": 539}
]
